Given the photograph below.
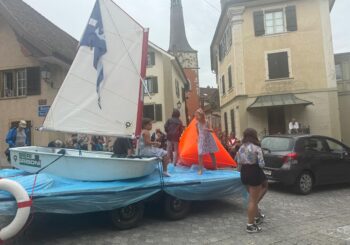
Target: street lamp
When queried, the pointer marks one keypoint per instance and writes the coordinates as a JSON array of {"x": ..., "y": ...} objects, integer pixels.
[
  {"x": 46, "y": 75},
  {"x": 179, "y": 105}
]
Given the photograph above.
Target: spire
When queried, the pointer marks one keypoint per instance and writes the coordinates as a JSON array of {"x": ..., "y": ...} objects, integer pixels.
[{"x": 178, "y": 39}]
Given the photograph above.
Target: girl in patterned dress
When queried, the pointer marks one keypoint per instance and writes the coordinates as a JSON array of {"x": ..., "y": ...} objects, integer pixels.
[{"x": 206, "y": 142}]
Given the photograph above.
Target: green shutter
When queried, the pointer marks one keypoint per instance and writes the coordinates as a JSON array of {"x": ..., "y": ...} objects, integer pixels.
[
  {"x": 155, "y": 84},
  {"x": 33, "y": 81},
  {"x": 259, "y": 25},
  {"x": 159, "y": 116},
  {"x": 291, "y": 17},
  {"x": 153, "y": 58}
]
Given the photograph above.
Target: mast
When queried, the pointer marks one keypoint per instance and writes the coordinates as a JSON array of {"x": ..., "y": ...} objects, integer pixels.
[{"x": 143, "y": 75}]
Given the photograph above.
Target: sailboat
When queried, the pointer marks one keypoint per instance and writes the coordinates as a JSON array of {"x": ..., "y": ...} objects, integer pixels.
[{"x": 101, "y": 95}]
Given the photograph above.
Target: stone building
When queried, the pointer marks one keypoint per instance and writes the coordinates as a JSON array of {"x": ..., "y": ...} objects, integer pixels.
[
  {"x": 342, "y": 67},
  {"x": 35, "y": 56},
  {"x": 274, "y": 61},
  {"x": 187, "y": 56},
  {"x": 166, "y": 84}
]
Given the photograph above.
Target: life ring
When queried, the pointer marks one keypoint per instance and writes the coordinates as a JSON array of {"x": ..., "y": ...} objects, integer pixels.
[{"x": 23, "y": 203}]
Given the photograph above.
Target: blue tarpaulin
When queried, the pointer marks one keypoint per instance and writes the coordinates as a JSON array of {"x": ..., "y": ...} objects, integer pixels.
[{"x": 53, "y": 194}]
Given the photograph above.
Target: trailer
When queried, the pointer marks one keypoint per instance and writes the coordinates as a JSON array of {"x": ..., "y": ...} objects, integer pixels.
[{"x": 123, "y": 200}]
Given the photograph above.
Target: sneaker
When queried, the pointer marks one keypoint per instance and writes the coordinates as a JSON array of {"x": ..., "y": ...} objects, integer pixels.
[
  {"x": 259, "y": 220},
  {"x": 254, "y": 228},
  {"x": 166, "y": 174}
]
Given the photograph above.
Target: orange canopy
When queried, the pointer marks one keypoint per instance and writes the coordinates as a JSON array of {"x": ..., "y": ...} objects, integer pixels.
[{"x": 188, "y": 150}]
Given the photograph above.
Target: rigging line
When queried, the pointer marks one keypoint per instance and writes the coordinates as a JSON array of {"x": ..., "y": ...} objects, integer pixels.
[
  {"x": 132, "y": 61},
  {"x": 211, "y": 5}
]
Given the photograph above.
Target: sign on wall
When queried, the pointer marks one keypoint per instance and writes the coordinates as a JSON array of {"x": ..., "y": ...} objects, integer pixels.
[{"x": 43, "y": 110}]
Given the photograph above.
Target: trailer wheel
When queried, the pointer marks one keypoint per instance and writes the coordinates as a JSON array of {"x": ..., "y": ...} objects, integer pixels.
[
  {"x": 174, "y": 208},
  {"x": 127, "y": 217}
]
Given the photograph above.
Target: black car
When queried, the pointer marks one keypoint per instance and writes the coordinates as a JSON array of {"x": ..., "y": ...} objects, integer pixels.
[{"x": 305, "y": 160}]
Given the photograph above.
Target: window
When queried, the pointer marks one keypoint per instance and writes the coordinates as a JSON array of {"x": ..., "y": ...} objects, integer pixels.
[
  {"x": 225, "y": 122},
  {"x": 225, "y": 43},
  {"x": 339, "y": 72},
  {"x": 177, "y": 88},
  {"x": 277, "y": 143},
  {"x": 223, "y": 84},
  {"x": 151, "y": 84},
  {"x": 153, "y": 112},
  {"x": 230, "y": 77},
  {"x": 313, "y": 144},
  {"x": 233, "y": 128},
  {"x": 275, "y": 21},
  {"x": 21, "y": 82},
  {"x": 151, "y": 59},
  {"x": 278, "y": 65},
  {"x": 335, "y": 147}
]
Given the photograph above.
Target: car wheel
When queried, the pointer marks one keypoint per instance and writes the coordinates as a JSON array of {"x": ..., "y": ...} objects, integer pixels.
[
  {"x": 304, "y": 183},
  {"x": 127, "y": 217},
  {"x": 174, "y": 208}
]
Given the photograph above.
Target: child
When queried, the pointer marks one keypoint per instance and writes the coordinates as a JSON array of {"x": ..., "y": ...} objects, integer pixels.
[
  {"x": 151, "y": 148},
  {"x": 206, "y": 142}
]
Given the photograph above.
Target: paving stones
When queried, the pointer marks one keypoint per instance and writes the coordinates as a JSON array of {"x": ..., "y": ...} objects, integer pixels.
[{"x": 322, "y": 217}]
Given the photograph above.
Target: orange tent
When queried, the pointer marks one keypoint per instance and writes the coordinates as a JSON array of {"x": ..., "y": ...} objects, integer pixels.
[{"x": 188, "y": 150}]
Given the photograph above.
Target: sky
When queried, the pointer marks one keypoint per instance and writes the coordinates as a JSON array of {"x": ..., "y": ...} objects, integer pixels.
[{"x": 201, "y": 17}]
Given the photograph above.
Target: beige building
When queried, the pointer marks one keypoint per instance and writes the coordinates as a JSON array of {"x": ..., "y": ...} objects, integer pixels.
[
  {"x": 274, "y": 61},
  {"x": 35, "y": 56},
  {"x": 166, "y": 84},
  {"x": 342, "y": 67}
]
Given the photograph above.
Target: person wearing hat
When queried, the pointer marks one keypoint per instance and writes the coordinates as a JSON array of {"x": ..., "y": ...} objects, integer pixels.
[{"x": 17, "y": 137}]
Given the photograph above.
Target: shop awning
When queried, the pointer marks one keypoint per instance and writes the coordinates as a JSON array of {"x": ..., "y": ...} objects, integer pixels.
[{"x": 278, "y": 100}]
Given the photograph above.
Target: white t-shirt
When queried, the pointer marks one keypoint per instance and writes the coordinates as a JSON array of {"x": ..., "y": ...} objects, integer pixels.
[{"x": 294, "y": 125}]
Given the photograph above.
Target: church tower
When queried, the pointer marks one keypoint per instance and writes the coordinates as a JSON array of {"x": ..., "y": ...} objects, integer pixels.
[{"x": 187, "y": 56}]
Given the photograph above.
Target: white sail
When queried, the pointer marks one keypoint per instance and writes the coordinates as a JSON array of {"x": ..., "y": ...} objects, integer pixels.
[{"x": 76, "y": 107}]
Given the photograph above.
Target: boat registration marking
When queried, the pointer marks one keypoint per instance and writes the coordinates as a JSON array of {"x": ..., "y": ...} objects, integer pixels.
[{"x": 28, "y": 159}]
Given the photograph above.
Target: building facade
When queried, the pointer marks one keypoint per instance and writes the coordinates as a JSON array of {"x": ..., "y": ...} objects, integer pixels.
[
  {"x": 35, "y": 56},
  {"x": 187, "y": 56},
  {"x": 274, "y": 61},
  {"x": 342, "y": 67},
  {"x": 166, "y": 84},
  {"x": 210, "y": 102}
]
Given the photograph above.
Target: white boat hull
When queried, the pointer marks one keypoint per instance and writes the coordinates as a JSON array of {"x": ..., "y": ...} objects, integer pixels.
[{"x": 87, "y": 166}]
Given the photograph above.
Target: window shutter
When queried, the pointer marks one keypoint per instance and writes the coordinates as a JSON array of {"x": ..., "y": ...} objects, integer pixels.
[
  {"x": 278, "y": 65},
  {"x": 225, "y": 122},
  {"x": 148, "y": 111},
  {"x": 33, "y": 81},
  {"x": 259, "y": 25},
  {"x": 233, "y": 128},
  {"x": 223, "y": 84},
  {"x": 159, "y": 113},
  {"x": 291, "y": 17},
  {"x": 229, "y": 77},
  {"x": 155, "y": 84},
  {"x": 153, "y": 58}
]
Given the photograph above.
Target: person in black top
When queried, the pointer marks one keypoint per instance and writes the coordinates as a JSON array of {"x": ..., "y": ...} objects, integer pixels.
[{"x": 122, "y": 147}]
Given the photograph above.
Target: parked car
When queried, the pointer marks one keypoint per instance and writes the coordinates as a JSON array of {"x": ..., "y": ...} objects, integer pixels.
[{"x": 306, "y": 160}]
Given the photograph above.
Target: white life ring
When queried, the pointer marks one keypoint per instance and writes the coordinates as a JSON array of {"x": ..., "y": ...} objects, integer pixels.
[{"x": 23, "y": 203}]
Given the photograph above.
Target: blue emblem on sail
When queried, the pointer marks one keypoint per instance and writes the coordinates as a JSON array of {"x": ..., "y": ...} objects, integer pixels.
[{"x": 95, "y": 39}]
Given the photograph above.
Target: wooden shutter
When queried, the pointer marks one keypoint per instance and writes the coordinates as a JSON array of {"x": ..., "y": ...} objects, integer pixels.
[
  {"x": 225, "y": 122},
  {"x": 153, "y": 58},
  {"x": 229, "y": 77},
  {"x": 291, "y": 17},
  {"x": 278, "y": 65},
  {"x": 155, "y": 84},
  {"x": 223, "y": 84},
  {"x": 233, "y": 128},
  {"x": 33, "y": 81},
  {"x": 259, "y": 25},
  {"x": 159, "y": 116}
]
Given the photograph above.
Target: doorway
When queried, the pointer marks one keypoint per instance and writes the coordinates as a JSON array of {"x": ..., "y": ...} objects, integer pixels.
[{"x": 276, "y": 120}]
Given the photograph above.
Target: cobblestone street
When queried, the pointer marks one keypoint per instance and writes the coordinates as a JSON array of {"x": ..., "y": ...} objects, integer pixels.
[{"x": 320, "y": 218}]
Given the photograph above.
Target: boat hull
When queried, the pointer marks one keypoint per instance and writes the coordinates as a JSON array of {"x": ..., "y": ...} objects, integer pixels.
[{"x": 81, "y": 165}]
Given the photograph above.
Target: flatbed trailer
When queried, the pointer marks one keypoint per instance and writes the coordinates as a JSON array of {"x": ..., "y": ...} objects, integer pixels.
[{"x": 123, "y": 200}]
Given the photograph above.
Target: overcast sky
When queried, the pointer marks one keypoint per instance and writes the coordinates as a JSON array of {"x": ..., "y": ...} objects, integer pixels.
[{"x": 201, "y": 17}]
